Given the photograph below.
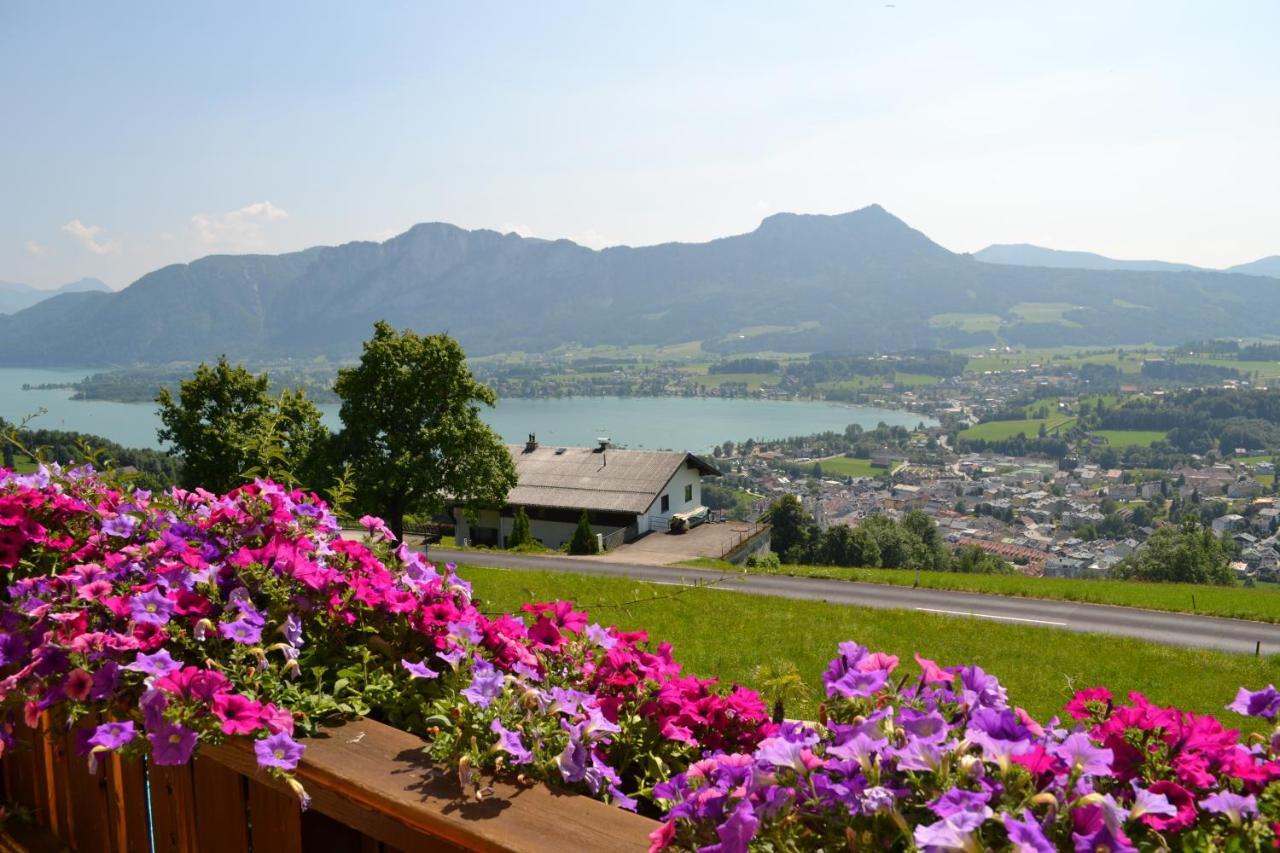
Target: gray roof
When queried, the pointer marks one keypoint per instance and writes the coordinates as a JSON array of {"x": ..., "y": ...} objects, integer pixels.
[{"x": 586, "y": 478}]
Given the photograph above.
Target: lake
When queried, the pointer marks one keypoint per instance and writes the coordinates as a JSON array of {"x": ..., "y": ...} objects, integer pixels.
[{"x": 686, "y": 423}]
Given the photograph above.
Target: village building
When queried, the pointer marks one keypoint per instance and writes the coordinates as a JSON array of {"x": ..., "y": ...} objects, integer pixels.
[{"x": 626, "y": 493}]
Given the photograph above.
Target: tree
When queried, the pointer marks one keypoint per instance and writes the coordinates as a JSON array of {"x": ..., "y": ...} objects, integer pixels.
[
  {"x": 520, "y": 534},
  {"x": 970, "y": 559},
  {"x": 412, "y": 434},
  {"x": 1189, "y": 553},
  {"x": 789, "y": 537},
  {"x": 842, "y": 545},
  {"x": 584, "y": 541},
  {"x": 229, "y": 429}
]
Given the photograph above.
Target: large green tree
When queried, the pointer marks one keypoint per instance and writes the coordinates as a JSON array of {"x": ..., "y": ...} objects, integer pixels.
[
  {"x": 229, "y": 428},
  {"x": 1187, "y": 553},
  {"x": 412, "y": 436}
]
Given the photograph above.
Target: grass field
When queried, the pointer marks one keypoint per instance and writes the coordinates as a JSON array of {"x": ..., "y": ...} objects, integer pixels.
[
  {"x": 1260, "y": 603},
  {"x": 1121, "y": 438},
  {"x": 1045, "y": 312},
  {"x": 753, "y": 380},
  {"x": 1001, "y": 430},
  {"x": 724, "y": 634},
  {"x": 967, "y": 322},
  {"x": 843, "y": 466}
]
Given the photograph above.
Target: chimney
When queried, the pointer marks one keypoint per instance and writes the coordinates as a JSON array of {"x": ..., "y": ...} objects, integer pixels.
[{"x": 532, "y": 444}]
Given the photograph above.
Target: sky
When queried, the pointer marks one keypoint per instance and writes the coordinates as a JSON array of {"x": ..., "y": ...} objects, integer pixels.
[{"x": 138, "y": 135}]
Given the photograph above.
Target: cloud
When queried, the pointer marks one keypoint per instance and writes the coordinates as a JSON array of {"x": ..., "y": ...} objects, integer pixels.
[
  {"x": 518, "y": 228},
  {"x": 34, "y": 248},
  {"x": 87, "y": 235},
  {"x": 240, "y": 228},
  {"x": 593, "y": 239}
]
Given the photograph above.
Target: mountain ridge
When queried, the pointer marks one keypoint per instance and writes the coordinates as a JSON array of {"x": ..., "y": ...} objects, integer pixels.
[
  {"x": 1031, "y": 255},
  {"x": 862, "y": 280},
  {"x": 15, "y": 296}
]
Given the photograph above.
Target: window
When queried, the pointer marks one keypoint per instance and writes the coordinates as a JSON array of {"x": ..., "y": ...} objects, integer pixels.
[
  {"x": 688, "y": 493},
  {"x": 666, "y": 503}
]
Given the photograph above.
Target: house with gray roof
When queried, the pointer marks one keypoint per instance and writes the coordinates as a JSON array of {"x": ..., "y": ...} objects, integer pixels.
[{"x": 626, "y": 493}]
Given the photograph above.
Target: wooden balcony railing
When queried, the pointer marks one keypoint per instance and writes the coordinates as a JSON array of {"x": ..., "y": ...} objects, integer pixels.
[{"x": 372, "y": 789}]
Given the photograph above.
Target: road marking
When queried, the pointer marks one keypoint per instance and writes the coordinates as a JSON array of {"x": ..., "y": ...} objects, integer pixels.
[{"x": 991, "y": 616}]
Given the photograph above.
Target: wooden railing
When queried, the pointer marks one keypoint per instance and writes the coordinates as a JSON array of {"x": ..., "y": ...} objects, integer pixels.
[{"x": 372, "y": 788}]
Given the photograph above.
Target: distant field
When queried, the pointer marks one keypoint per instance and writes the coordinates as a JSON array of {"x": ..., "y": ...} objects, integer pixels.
[
  {"x": 843, "y": 466},
  {"x": 967, "y": 322},
  {"x": 1040, "y": 666},
  {"x": 1001, "y": 430},
  {"x": 1121, "y": 438},
  {"x": 753, "y": 380},
  {"x": 1264, "y": 369},
  {"x": 1126, "y": 361},
  {"x": 1045, "y": 312},
  {"x": 860, "y": 383},
  {"x": 1260, "y": 603}
]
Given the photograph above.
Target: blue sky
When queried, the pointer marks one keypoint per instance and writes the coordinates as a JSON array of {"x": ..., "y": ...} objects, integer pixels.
[{"x": 135, "y": 135}]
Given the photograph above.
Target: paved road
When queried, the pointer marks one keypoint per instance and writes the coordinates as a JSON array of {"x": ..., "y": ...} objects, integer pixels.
[{"x": 1182, "y": 629}]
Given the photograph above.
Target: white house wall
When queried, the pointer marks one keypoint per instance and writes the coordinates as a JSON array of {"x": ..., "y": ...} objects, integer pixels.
[{"x": 687, "y": 475}]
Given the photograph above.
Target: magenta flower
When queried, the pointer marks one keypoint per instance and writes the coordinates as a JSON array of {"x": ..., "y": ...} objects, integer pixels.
[
  {"x": 239, "y": 714},
  {"x": 172, "y": 744},
  {"x": 78, "y": 686},
  {"x": 376, "y": 525},
  {"x": 932, "y": 673},
  {"x": 279, "y": 751}
]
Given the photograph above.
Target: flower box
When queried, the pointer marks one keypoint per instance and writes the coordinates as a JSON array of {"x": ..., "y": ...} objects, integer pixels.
[{"x": 371, "y": 786}]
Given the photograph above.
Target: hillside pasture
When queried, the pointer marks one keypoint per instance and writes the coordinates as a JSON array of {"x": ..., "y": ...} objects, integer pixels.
[
  {"x": 844, "y": 466},
  {"x": 1122, "y": 438},
  {"x": 1030, "y": 427}
]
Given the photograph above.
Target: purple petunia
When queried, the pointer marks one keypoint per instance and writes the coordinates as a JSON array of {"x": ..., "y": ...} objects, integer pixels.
[
  {"x": 419, "y": 670},
  {"x": 510, "y": 743},
  {"x": 600, "y": 636},
  {"x": 279, "y": 751},
  {"x": 486, "y": 684},
  {"x": 781, "y": 752},
  {"x": 121, "y": 527},
  {"x": 1083, "y": 757},
  {"x": 1026, "y": 835},
  {"x": 241, "y": 631},
  {"x": 112, "y": 736},
  {"x": 172, "y": 744},
  {"x": 157, "y": 664},
  {"x": 1234, "y": 806},
  {"x": 1262, "y": 703},
  {"x": 152, "y": 608}
]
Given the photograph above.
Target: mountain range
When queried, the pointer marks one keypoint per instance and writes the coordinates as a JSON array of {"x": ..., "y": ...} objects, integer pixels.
[
  {"x": 1027, "y": 255},
  {"x": 859, "y": 281},
  {"x": 15, "y": 297}
]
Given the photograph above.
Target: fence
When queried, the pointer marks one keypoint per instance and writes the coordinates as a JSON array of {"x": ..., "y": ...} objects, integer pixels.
[
  {"x": 372, "y": 789},
  {"x": 609, "y": 541},
  {"x": 742, "y": 539}
]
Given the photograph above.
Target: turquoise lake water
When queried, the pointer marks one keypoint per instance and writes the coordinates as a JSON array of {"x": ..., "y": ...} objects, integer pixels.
[{"x": 683, "y": 423}]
